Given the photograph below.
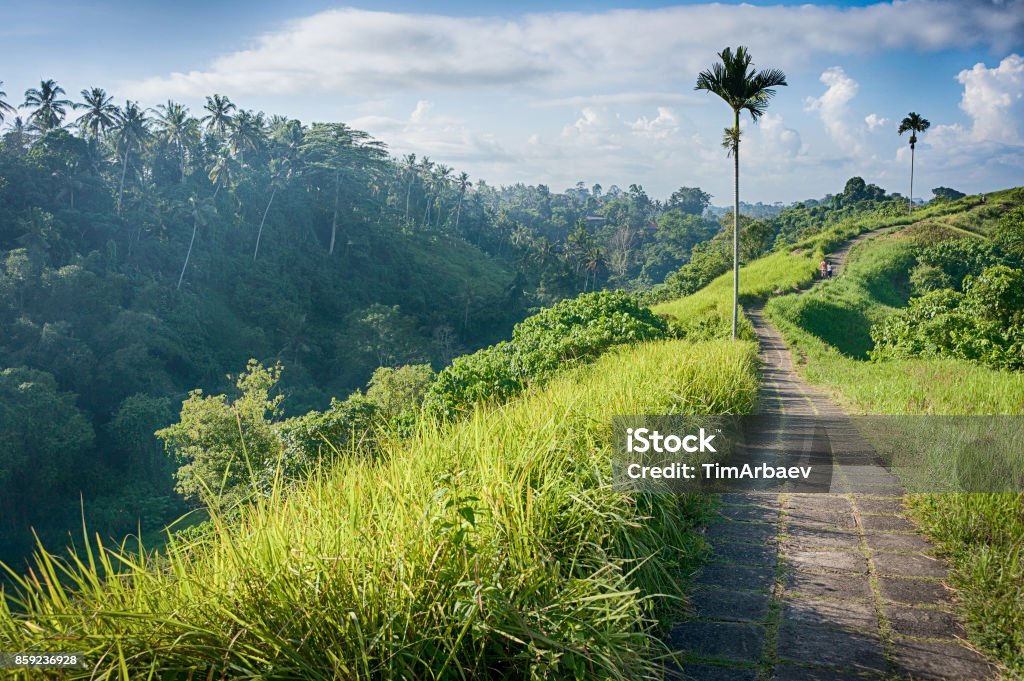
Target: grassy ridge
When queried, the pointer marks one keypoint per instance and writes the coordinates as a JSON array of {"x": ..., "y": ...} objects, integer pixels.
[
  {"x": 981, "y": 534},
  {"x": 490, "y": 547},
  {"x": 710, "y": 309}
]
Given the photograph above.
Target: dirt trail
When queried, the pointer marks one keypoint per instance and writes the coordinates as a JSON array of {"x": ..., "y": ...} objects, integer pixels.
[{"x": 836, "y": 586}]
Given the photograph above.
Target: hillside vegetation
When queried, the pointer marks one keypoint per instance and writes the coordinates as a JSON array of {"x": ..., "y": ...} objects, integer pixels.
[{"x": 490, "y": 546}]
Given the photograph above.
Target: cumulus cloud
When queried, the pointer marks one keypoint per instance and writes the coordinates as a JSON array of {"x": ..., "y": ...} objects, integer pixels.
[
  {"x": 833, "y": 107},
  {"x": 666, "y": 123},
  {"x": 874, "y": 121},
  {"x": 367, "y": 52},
  {"x": 428, "y": 133},
  {"x": 994, "y": 99}
]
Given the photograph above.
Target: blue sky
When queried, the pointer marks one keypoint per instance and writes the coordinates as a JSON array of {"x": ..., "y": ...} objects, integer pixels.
[{"x": 595, "y": 91}]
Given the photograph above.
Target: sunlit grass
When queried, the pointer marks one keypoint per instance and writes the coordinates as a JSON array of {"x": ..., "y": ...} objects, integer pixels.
[{"x": 490, "y": 547}]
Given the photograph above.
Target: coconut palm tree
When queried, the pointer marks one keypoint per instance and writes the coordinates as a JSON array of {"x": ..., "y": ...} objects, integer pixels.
[
  {"x": 914, "y": 123},
  {"x": 280, "y": 171},
  {"x": 219, "y": 118},
  {"x": 201, "y": 210},
  {"x": 4, "y": 106},
  {"x": 100, "y": 113},
  {"x": 463, "y": 183},
  {"x": 132, "y": 134},
  {"x": 49, "y": 108},
  {"x": 176, "y": 129},
  {"x": 743, "y": 89}
]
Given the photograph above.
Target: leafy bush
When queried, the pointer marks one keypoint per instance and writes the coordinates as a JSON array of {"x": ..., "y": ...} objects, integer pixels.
[
  {"x": 573, "y": 331},
  {"x": 983, "y": 324}
]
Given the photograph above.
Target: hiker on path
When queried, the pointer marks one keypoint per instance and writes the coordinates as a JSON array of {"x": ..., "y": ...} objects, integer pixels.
[
  {"x": 828, "y": 269},
  {"x": 823, "y": 268}
]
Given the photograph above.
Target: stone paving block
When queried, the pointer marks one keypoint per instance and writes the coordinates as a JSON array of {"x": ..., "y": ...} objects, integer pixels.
[
  {"x": 759, "y": 555},
  {"x": 875, "y": 490},
  {"x": 914, "y": 591},
  {"x": 731, "y": 530},
  {"x": 799, "y": 537},
  {"x": 886, "y": 523},
  {"x": 839, "y": 614},
  {"x": 908, "y": 565},
  {"x": 735, "y": 576},
  {"x": 767, "y": 500},
  {"x": 726, "y": 640},
  {"x": 827, "y": 561},
  {"x": 834, "y": 502},
  {"x": 725, "y": 604},
  {"x": 754, "y": 512},
  {"x": 881, "y": 506},
  {"x": 923, "y": 622},
  {"x": 820, "y": 517},
  {"x": 897, "y": 543},
  {"x": 929, "y": 660},
  {"x": 807, "y": 585},
  {"x": 709, "y": 672},
  {"x": 855, "y": 651},
  {"x": 791, "y": 672}
]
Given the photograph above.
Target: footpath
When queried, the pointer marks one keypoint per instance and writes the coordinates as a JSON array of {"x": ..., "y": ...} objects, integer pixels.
[{"x": 820, "y": 587}]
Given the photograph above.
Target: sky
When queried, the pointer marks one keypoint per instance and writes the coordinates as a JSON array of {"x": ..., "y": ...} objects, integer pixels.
[{"x": 556, "y": 93}]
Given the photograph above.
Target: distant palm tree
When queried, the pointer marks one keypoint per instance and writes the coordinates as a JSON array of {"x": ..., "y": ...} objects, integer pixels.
[
  {"x": 132, "y": 133},
  {"x": 743, "y": 89},
  {"x": 219, "y": 118},
  {"x": 49, "y": 108},
  {"x": 913, "y": 124},
  {"x": 4, "y": 106},
  {"x": 201, "y": 210},
  {"x": 177, "y": 130},
  {"x": 100, "y": 113},
  {"x": 246, "y": 132},
  {"x": 463, "y": 184}
]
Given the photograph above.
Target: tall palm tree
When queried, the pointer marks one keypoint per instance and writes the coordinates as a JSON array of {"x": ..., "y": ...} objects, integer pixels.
[
  {"x": 280, "y": 171},
  {"x": 176, "y": 129},
  {"x": 246, "y": 132},
  {"x": 132, "y": 134},
  {"x": 201, "y": 210},
  {"x": 49, "y": 108},
  {"x": 463, "y": 183},
  {"x": 914, "y": 123},
  {"x": 4, "y": 106},
  {"x": 219, "y": 118},
  {"x": 743, "y": 89},
  {"x": 100, "y": 113}
]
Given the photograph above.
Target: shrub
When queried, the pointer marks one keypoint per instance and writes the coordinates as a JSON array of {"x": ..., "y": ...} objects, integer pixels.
[{"x": 573, "y": 331}]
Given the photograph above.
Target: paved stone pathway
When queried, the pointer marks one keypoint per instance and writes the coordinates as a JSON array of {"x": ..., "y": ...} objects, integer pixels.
[{"x": 815, "y": 587}]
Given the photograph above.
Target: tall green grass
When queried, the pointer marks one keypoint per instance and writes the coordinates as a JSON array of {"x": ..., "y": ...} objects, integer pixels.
[
  {"x": 492, "y": 547},
  {"x": 981, "y": 534},
  {"x": 709, "y": 310}
]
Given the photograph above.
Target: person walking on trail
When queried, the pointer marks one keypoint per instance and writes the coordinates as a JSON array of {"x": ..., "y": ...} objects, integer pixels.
[
  {"x": 828, "y": 269},
  {"x": 823, "y": 268}
]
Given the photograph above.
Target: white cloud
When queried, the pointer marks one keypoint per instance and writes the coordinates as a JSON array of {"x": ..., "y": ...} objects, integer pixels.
[
  {"x": 365, "y": 52},
  {"x": 427, "y": 133},
  {"x": 666, "y": 123},
  {"x": 994, "y": 99},
  {"x": 833, "y": 107},
  {"x": 874, "y": 121}
]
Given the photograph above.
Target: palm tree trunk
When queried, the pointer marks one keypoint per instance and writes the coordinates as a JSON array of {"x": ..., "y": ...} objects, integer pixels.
[
  {"x": 910, "y": 204},
  {"x": 120, "y": 190},
  {"x": 408, "y": 195},
  {"x": 736, "y": 226},
  {"x": 458, "y": 213},
  {"x": 334, "y": 220},
  {"x": 195, "y": 228},
  {"x": 260, "y": 233}
]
